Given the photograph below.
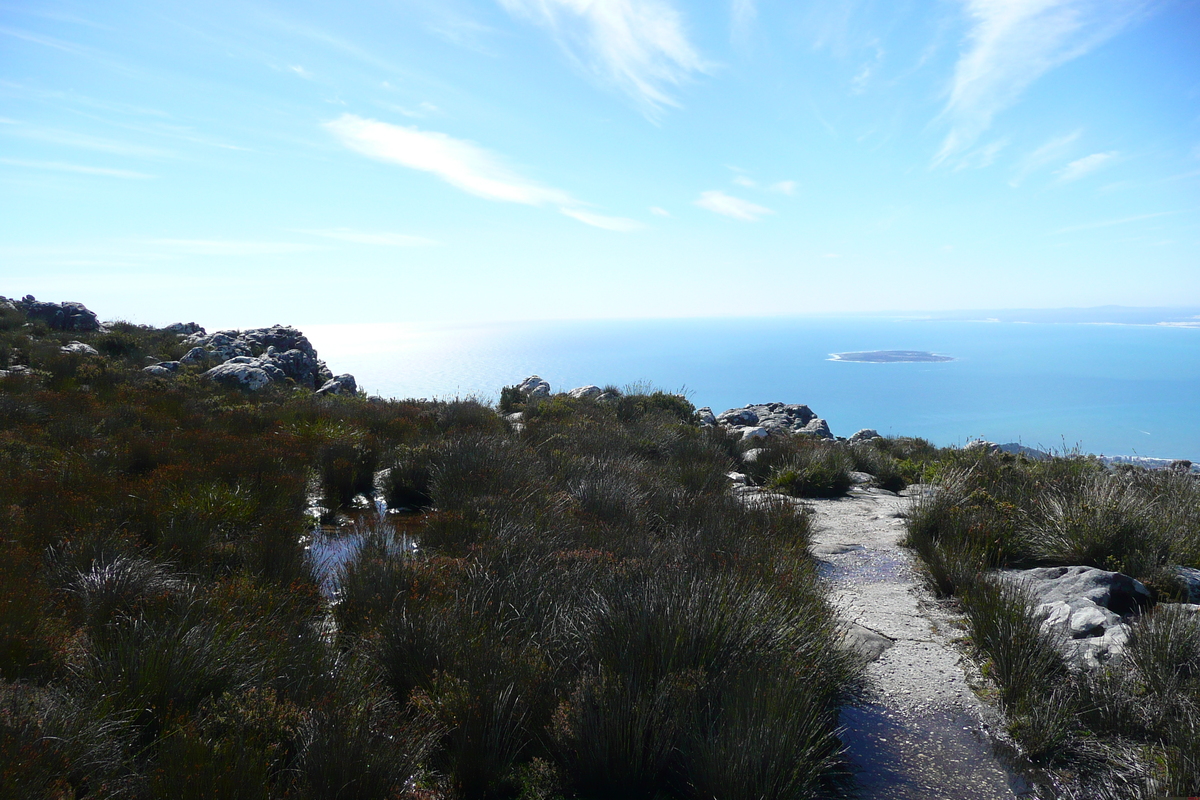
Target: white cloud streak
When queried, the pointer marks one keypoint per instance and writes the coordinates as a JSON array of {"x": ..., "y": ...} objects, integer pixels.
[
  {"x": 1085, "y": 166},
  {"x": 366, "y": 237},
  {"x": 1012, "y": 43},
  {"x": 619, "y": 224},
  {"x": 638, "y": 46},
  {"x": 784, "y": 187},
  {"x": 57, "y": 166},
  {"x": 659, "y": 212},
  {"x": 464, "y": 165},
  {"x": 718, "y": 202}
]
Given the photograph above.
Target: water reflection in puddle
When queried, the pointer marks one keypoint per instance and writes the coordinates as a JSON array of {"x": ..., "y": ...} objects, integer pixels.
[
  {"x": 865, "y": 566},
  {"x": 331, "y": 547},
  {"x": 924, "y": 757}
]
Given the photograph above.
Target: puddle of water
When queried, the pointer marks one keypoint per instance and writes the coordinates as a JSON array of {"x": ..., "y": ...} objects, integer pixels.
[
  {"x": 924, "y": 757},
  {"x": 331, "y": 547},
  {"x": 865, "y": 566}
]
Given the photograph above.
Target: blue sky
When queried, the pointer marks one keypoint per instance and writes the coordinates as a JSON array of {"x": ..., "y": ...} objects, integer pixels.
[{"x": 247, "y": 162}]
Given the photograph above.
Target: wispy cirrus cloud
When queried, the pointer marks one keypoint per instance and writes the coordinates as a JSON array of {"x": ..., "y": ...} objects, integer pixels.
[
  {"x": 1012, "y": 43},
  {"x": 1085, "y": 166},
  {"x": 619, "y": 224},
  {"x": 222, "y": 247},
  {"x": 58, "y": 166},
  {"x": 638, "y": 46},
  {"x": 367, "y": 237},
  {"x": 86, "y": 141},
  {"x": 1108, "y": 223},
  {"x": 743, "y": 14},
  {"x": 718, "y": 202},
  {"x": 463, "y": 164},
  {"x": 1053, "y": 150}
]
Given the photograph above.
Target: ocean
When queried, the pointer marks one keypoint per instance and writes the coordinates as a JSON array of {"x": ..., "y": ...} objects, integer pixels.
[{"x": 1106, "y": 388}]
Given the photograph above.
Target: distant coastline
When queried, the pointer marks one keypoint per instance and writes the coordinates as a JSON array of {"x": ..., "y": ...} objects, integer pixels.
[{"x": 891, "y": 357}]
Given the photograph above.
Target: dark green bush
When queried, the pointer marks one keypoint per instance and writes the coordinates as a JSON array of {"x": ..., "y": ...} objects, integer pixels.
[{"x": 820, "y": 471}]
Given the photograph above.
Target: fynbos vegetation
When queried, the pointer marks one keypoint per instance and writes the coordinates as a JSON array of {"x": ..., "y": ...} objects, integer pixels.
[
  {"x": 587, "y": 611},
  {"x": 1127, "y": 728}
]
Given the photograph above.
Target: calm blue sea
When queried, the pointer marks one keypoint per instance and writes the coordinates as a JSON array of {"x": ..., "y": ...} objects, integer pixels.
[{"x": 1108, "y": 388}]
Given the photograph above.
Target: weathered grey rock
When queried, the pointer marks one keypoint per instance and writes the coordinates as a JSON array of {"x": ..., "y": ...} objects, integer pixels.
[
  {"x": 738, "y": 416},
  {"x": 919, "y": 490},
  {"x": 79, "y": 348},
  {"x": 342, "y": 384},
  {"x": 162, "y": 368},
  {"x": 1086, "y": 608},
  {"x": 705, "y": 417},
  {"x": 1189, "y": 581},
  {"x": 864, "y": 435},
  {"x": 184, "y": 328},
  {"x": 865, "y": 643},
  {"x": 66, "y": 316},
  {"x": 284, "y": 352},
  {"x": 869, "y": 490},
  {"x": 534, "y": 386},
  {"x": 982, "y": 444},
  {"x": 15, "y": 371},
  {"x": 586, "y": 391},
  {"x": 860, "y": 478},
  {"x": 197, "y": 355},
  {"x": 245, "y": 375},
  {"x": 737, "y": 477},
  {"x": 817, "y": 427},
  {"x": 774, "y": 418},
  {"x": 754, "y": 432}
]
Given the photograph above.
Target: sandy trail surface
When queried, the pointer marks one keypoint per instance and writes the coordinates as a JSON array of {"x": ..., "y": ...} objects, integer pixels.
[{"x": 922, "y": 732}]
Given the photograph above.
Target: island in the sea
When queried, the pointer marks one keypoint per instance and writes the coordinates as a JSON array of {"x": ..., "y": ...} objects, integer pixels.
[{"x": 890, "y": 356}]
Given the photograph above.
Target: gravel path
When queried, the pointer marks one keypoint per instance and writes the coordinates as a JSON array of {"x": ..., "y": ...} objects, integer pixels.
[{"x": 923, "y": 732}]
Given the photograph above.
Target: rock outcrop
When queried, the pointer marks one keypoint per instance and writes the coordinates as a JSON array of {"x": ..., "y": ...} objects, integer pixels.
[
  {"x": 754, "y": 421},
  {"x": 1086, "y": 608},
  {"x": 1188, "y": 579},
  {"x": 592, "y": 391},
  {"x": 255, "y": 357},
  {"x": 66, "y": 316},
  {"x": 342, "y": 384},
  {"x": 534, "y": 386},
  {"x": 79, "y": 349}
]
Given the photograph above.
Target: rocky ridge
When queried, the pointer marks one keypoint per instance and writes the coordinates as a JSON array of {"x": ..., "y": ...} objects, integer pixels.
[{"x": 250, "y": 359}]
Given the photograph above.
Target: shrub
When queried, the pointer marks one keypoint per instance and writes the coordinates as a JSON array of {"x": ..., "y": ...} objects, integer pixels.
[
  {"x": 346, "y": 467},
  {"x": 408, "y": 483},
  {"x": 820, "y": 471}
]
